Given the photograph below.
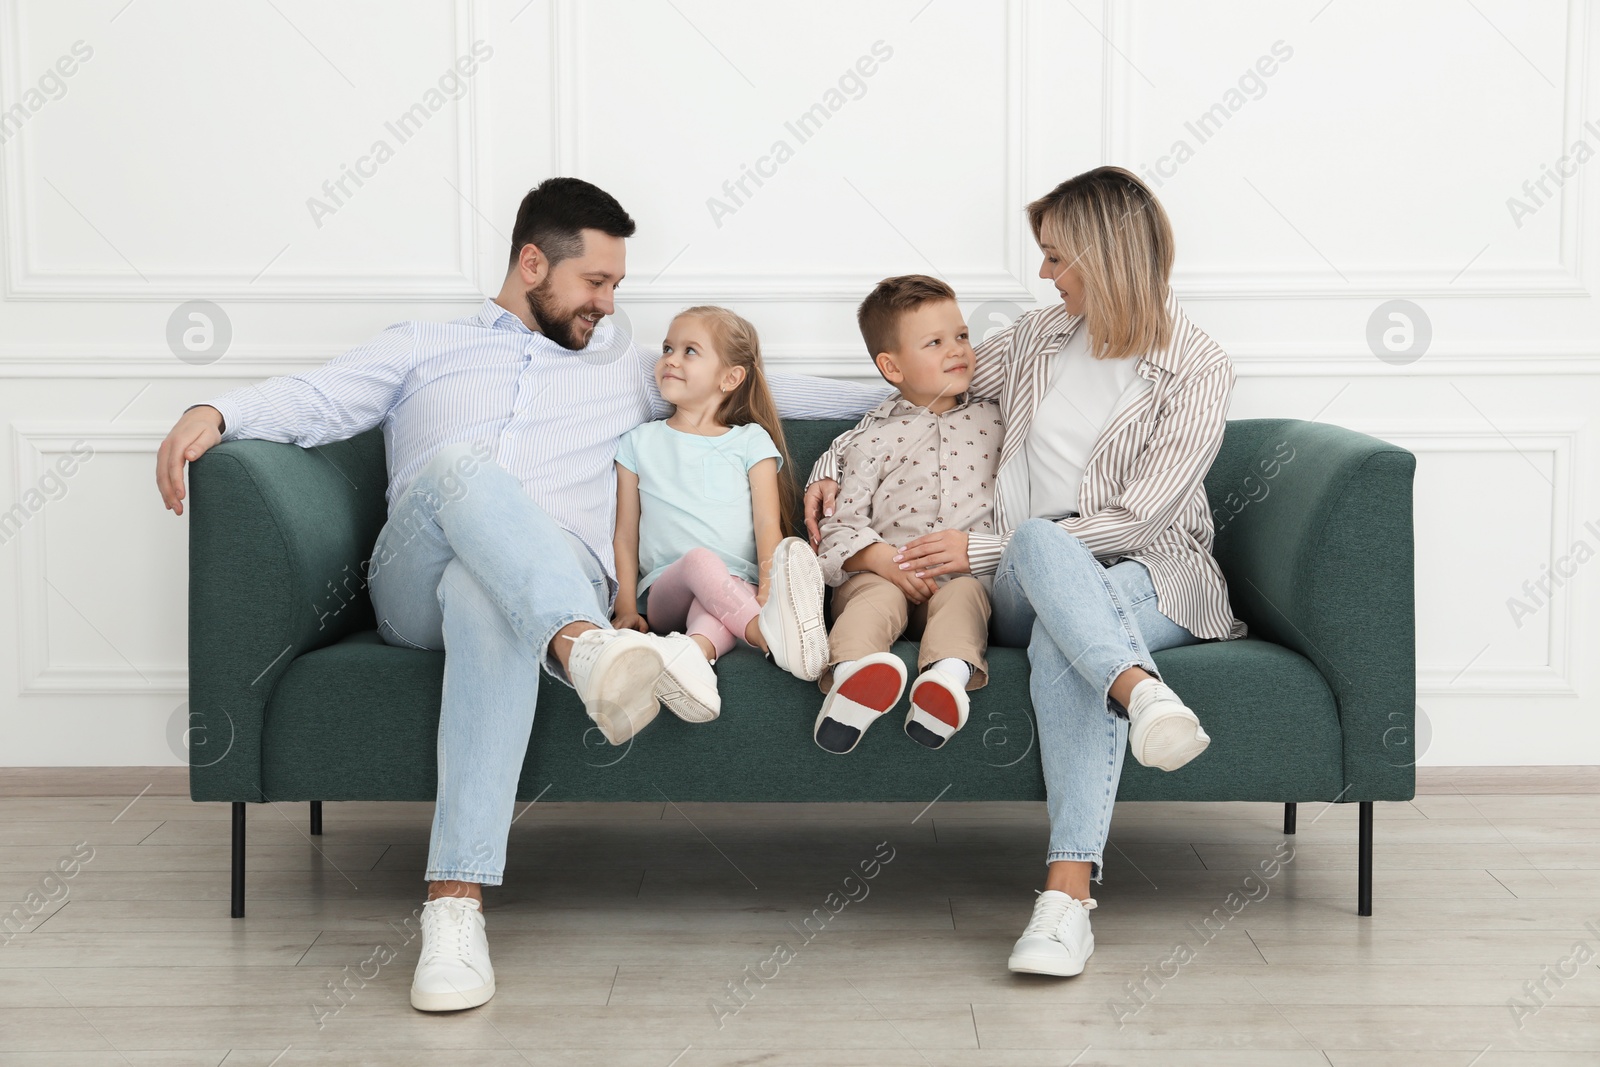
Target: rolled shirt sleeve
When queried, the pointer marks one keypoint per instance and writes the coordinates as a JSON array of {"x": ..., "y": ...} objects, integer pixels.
[{"x": 345, "y": 396}]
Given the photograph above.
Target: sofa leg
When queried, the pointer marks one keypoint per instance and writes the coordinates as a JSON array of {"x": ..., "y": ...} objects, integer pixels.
[
  {"x": 1289, "y": 810},
  {"x": 316, "y": 818},
  {"x": 1364, "y": 873},
  {"x": 238, "y": 859}
]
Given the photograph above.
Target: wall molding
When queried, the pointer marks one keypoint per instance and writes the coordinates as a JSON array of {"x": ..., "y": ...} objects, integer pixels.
[
  {"x": 1556, "y": 676},
  {"x": 1562, "y": 279},
  {"x": 567, "y": 34},
  {"x": 25, "y": 281},
  {"x": 33, "y": 447}
]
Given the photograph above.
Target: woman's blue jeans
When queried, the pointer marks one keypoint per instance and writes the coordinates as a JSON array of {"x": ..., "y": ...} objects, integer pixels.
[
  {"x": 468, "y": 563},
  {"x": 1083, "y": 625}
]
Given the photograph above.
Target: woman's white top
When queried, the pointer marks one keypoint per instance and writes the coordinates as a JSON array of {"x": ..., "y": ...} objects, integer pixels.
[{"x": 1083, "y": 395}]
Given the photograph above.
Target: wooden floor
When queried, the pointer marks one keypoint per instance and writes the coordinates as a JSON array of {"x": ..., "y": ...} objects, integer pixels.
[{"x": 621, "y": 928}]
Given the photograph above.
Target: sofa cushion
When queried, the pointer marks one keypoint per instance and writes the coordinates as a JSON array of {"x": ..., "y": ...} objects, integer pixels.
[{"x": 358, "y": 721}]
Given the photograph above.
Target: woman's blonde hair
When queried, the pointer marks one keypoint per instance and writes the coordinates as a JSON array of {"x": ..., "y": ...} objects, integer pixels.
[
  {"x": 1110, "y": 227},
  {"x": 738, "y": 345}
]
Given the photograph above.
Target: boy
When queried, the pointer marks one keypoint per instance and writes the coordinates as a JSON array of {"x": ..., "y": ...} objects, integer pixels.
[{"x": 921, "y": 461}]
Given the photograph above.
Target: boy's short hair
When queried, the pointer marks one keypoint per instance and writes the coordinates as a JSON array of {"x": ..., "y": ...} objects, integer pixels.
[{"x": 879, "y": 314}]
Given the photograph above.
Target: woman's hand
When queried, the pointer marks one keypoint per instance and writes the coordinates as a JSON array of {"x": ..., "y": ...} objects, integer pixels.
[
  {"x": 879, "y": 557},
  {"x": 820, "y": 497},
  {"x": 930, "y": 555},
  {"x": 630, "y": 620}
]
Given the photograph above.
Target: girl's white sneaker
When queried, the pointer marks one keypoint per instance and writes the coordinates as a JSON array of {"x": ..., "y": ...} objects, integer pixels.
[
  {"x": 791, "y": 620},
  {"x": 687, "y": 685}
]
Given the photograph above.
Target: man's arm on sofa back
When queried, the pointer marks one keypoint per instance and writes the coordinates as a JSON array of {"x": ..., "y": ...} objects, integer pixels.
[
  {"x": 1316, "y": 543},
  {"x": 277, "y": 538}
]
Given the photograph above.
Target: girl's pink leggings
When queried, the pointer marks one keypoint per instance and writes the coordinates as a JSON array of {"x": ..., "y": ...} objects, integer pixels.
[{"x": 697, "y": 595}]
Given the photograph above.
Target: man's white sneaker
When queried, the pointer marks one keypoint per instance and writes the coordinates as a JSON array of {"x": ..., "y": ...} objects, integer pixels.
[
  {"x": 1162, "y": 731},
  {"x": 1057, "y": 939},
  {"x": 939, "y": 708},
  {"x": 688, "y": 685},
  {"x": 791, "y": 620},
  {"x": 454, "y": 971},
  {"x": 615, "y": 672}
]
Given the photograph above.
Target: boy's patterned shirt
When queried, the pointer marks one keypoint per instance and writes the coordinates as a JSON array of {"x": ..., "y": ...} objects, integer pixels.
[{"x": 907, "y": 472}]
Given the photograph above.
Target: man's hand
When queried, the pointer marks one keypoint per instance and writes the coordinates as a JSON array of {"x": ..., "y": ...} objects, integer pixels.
[
  {"x": 944, "y": 552},
  {"x": 630, "y": 620},
  {"x": 879, "y": 557},
  {"x": 194, "y": 433},
  {"x": 820, "y": 497}
]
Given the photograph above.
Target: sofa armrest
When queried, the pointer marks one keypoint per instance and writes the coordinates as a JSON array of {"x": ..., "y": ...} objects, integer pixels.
[
  {"x": 1317, "y": 549},
  {"x": 277, "y": 536}
]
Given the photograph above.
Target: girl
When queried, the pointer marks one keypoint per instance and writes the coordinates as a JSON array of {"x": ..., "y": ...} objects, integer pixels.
[{"x": 701, "y": 497}]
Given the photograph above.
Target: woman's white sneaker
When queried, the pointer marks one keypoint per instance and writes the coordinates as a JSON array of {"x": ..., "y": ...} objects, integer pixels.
[
  {"x": 453, "y": 972},
  {"x": 687, "y": 685},
  {"x": 791, "y": 620},
  {"x": 1057, "y": 939},
  {"x": 615, "y": 672},
  {"x": 1162, "y": 731}
]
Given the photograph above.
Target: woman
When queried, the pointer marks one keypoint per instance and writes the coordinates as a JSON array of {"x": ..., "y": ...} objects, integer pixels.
[{"x": 1114, "y": 405}]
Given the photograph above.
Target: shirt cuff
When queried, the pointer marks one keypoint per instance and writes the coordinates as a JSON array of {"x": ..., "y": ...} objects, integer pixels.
[
  {"x": 230, "y": 416},
  {"x": 824, "y": 467},
  {"x": 983, "y": 552},
  {"x": 836, "y": 548}
]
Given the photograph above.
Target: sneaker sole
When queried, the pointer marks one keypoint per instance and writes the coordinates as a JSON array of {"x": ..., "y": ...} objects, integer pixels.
[
  {"x": 874, "y": 687},
  {"x": 682, "y": 703},
  {"x": 1171, "y": 742},
  {"x": 1026, "y": 964},
  {"x": 935, "y": 714},
  {"x": 626, "y": 702},
  {"x": 799, "y": 582},
  {"x": 455, "y": 1000}
]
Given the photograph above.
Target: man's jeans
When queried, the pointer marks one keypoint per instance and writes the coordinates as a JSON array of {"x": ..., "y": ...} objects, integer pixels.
[
  {"x": 469, "y": 564},
  {"x": 1083, "y": 624}
]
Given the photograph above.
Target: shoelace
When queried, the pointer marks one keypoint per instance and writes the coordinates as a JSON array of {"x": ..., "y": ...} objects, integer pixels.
[
  {"x": 1047, "y": 914},
  {"x": 439, "y": 920}
]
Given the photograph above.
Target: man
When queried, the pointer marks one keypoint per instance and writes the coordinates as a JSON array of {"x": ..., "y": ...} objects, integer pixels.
[{"x": 500, "y": 429}]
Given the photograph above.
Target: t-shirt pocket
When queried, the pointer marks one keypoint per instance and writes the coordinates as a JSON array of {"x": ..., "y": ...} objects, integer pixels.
[{"x": 725, "y": 476}]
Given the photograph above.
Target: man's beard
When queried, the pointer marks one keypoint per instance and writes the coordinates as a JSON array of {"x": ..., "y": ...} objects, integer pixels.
[{"x": 556, "y": 323}]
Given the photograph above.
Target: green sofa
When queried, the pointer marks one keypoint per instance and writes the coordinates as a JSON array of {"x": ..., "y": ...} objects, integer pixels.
[{"x": 294, "y": 697}]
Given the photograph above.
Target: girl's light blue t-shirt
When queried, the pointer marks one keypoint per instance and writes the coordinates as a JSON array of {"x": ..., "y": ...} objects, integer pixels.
[{"x": 694, "y": 492}]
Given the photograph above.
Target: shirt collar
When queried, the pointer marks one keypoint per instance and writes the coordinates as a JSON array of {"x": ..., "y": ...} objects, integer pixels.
[
  {"x": 496, "y": 317},
  {"x": 897, "y": 405}
]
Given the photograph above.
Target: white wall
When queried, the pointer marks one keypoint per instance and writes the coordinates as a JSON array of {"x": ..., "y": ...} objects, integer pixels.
[{"x": 1374, "y": 164}]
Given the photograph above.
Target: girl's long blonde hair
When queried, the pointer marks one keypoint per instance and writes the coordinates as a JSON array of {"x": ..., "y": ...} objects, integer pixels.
[
  {"x": 1108, "y": 225},
  {"x": 738, "y": 345}
]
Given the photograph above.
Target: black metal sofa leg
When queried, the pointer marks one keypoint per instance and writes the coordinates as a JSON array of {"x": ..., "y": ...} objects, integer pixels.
[
  {"x": 238, "y": 859},
  {"x": 1289, "y": 810},
  {"x": 1364, "y": 872},
  {"x": 316, "y": 818}
]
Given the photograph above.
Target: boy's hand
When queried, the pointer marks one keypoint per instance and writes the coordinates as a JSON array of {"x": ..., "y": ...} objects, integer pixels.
[
  {"x": 880, "y": 557},
  {"x": 943, "y": 552},
  {"x": 630, "y": 620}
]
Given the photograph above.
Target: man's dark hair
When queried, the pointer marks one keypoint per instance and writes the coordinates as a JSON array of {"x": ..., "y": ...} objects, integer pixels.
[{"x": 555, "y": 210}]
